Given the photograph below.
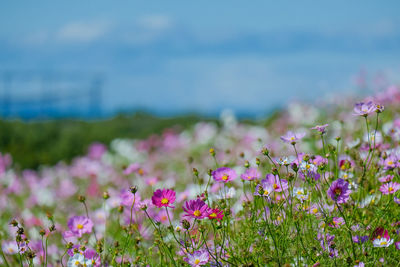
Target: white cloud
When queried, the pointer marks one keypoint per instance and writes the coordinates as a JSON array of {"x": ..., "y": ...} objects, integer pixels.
[{"x": 82, "y": 32}]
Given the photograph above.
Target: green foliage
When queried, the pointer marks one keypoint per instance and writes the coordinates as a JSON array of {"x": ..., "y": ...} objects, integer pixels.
[{"x": 36, "y": 143}]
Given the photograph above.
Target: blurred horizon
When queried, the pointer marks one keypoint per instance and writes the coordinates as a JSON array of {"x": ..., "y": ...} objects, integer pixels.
[{"x": 177, "y": 58}]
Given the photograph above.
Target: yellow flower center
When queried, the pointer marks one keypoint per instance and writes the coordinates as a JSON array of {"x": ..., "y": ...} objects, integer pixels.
[
  {"x": 266, "y": 193},
  {"x": 390, "y": 162},
  {"x": 275, "y": 186},
  {"x": 390, "y": 189},
  {"x": 225, "y": 177},
  {"x": 197, "y": 213},
  {"x": 308, "y": 166},
  {"x": 383, "y": 243},
  {"x": 249, "y": 177},
  {"x": 164, "y": 201},
  {"x": 292, "y": 138},
  {"x": 213, "y": 215},
  {"x": 11, "y": 250},
  {"x": 338, "y": 191},
  {"x": 77, "y": 263},
  {"x": 314, "y": 210},
  {"x": 196, "y": 261},
  {"x": 79, "y": 226},
  {"x": 299, "y": 192}
]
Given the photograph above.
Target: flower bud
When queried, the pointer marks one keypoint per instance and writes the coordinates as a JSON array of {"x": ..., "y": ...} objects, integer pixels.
[
  {"x": 81, "y": 198},
  {"x": 185, "y": 224},
  {"x": 212, "y": 152},
  {"x": 106, "y": 195},
  {"x": 195, "y": 172},
  {"x": 246, "y": 164},
  {"x": 133, "y": 189}
]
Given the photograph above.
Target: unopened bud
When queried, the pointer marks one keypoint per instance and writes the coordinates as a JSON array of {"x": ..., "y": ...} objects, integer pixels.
[{"x": 81, "y": 198}]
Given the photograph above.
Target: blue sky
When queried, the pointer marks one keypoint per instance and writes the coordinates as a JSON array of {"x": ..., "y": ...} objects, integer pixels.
[{"x": 173, "y": 57}]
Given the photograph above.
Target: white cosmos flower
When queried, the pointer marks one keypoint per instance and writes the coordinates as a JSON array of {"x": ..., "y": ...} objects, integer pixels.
[
  {"x": 79, "y": 260},
  {"x": 300, "y": 193},
  {"x": 382, "y": 242}
]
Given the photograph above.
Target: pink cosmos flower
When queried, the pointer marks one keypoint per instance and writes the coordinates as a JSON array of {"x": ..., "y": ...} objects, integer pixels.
[
  {"x": 216, "y": 214},
  {"x": 389, "y": 188},
  {"x": 336, "y": 222},
  {"x": 278, "y": 185},
  {"x": 339, "y": 191},
  {"x": 386, "y": 178},
  {"x": 291, "y": 137},
  {"x": 132, "y": 168},
  {"x": 320, "y": 128},
  {"x": 197, "y": 258},
  {"x": 197, "y": 209},
  {"x": 380, "y": 238},
  {"x": 364, "y": 109},
  {"x": 251, "y": 174},
  {"x": 79, "y": 225},
  {"x": 163, "y": 198},
  {"x": 224, "y": 174}
]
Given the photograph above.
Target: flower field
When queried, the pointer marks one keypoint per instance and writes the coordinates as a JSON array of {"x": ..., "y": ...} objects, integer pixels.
[{"x": 318, "y": 186}]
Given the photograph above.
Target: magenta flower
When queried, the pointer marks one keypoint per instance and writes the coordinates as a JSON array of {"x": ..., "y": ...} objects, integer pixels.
[
  {"x": 278, "y": 185},
  {"x": 339, "y": 191},
  {"x": 224, "y": 174},
  {"x": 389, "y": 188},
  {"x": 364, "y": 109},
  {"x": 264, "y": 188},
  {"x": 251, "y": 174},
  {"x": 291, "y": 137},
  {"x": 163, "y": 198},
  {"x": 216, "y": 214},
  {"x": 79, "y": 225},
  {"x": 336, "y": 222},
  {"x": 197, "y": 209},
  {"x": 197, "y": 258},
  {"x": 386, "y": 178},
  {"x": 320, "y": 128}
]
